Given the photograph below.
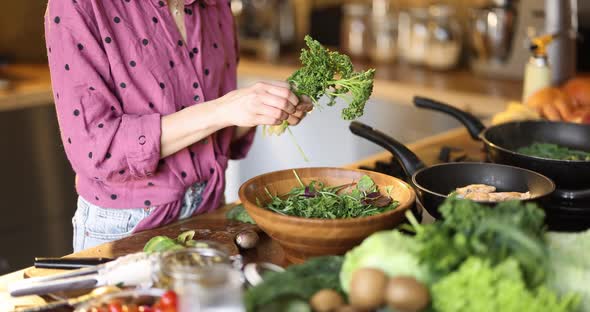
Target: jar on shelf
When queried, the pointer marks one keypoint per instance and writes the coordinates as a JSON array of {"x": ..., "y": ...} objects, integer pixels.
[
  {"x": 383, "y": 48},
  {"x": 204, "y": 278},
  {"x": 355, "y": 31},
  {"x": 413, "y": 35},
  {"x": 444, "y": 38}
]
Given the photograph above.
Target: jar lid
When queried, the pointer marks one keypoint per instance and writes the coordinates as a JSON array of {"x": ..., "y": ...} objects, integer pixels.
[{"x": 193, "y": 261}]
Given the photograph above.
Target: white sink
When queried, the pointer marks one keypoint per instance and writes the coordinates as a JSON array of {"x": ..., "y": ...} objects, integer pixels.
[{"x": 327, "y": 141}]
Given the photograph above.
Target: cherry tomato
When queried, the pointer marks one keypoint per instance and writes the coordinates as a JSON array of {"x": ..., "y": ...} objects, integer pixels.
[
  {"x": 168, "y": 300},
  {"x": 130, "y": 308},
  {"x": 115, "y": 307},
  {"x": 145, "y": 308}
]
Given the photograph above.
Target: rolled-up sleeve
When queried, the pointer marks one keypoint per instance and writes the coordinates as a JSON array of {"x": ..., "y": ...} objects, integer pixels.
[{"x": 101, "y": 141}]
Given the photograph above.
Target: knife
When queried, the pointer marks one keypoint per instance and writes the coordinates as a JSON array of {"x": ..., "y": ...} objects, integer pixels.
[
  {"x": 68, "y": 263},
  {"x": 132, "y": 270},
  {"x": 45, "y": 287}
]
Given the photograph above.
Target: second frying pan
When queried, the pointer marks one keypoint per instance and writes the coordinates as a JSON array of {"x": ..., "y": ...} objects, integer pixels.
[
  {"x": 433, "y": 184},
  {"x": 502, "y": 142}
]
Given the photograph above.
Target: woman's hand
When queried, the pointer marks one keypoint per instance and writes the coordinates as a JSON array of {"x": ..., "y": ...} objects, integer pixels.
[
  {"x": 264, "y": 103},
  {"x": 305, "y": 105}
]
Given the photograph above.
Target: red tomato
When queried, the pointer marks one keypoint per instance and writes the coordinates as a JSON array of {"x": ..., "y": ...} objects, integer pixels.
[
  {"x": 145, "y": 308},
  {"x": 115, "y": 307},
  {"x": 130, "y": 308},
  {"x": 168, "y": 300}
]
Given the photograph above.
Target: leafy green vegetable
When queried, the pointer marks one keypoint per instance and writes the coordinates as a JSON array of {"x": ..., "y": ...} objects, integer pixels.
[
  {"x": 295, "y": 285},
  {"x": 510, "y": 229},
  {"x": 569, "y": 257},
  {"x": 317, "y": 200},
  {"x": 239, "y": 213},
  {"x": 164, "y": 243},
  {"x": 329, "y": 73},
  {"x": 479, "y": 286},
  {"x": 390, "y": 251},
  {"x": 553, "y": 151}
]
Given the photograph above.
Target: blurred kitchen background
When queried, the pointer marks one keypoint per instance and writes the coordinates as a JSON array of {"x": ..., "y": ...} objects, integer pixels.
[{"x": 414, "y": 42}]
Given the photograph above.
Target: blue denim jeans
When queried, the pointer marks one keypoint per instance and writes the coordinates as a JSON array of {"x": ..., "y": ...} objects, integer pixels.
[{"x": 94, "y": 225}]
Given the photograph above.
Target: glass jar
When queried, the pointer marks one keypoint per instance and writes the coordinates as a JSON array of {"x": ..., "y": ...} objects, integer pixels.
[
  {"x": 204, "y": 278},
  {"x": 444, "y": 38},
  {"x": 355, "y": 31},
  {"x": 383, "y": 39},
  {"x": 413, "y": 35}
]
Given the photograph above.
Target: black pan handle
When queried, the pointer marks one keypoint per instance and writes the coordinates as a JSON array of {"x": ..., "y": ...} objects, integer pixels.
[
  {"x": 472, "y": 123},
  {"x": 407, "y": 159},
  {"x": 572, "y": 194}
]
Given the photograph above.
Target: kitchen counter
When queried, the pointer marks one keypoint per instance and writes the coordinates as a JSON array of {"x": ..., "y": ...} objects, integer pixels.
[
  {"x": 30, "y": 85},
  {"x": 214, "y": 225}
]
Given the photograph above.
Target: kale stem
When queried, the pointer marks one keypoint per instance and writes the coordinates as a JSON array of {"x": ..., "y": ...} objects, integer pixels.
[
  {"x": 298, "y": 179},
  {"x": 268, "y": 193},
  {"x": 297, "y": 145},
  {"x": 413, "y": 221}
]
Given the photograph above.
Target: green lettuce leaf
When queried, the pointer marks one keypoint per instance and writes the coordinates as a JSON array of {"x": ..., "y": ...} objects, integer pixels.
[
  {"x": 569, "y": 258},
  {"x": 390, "y": 251}
]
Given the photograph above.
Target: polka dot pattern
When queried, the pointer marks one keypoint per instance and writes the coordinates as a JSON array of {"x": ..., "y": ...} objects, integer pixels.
[{"x": 115, "y": 89}]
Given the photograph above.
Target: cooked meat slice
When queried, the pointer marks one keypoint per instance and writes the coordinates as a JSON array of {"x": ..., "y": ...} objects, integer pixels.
[
  {"x": 476, "y": 188},
  {"x": 503, "y": 196},
  {"x": 478, "y": 196}
]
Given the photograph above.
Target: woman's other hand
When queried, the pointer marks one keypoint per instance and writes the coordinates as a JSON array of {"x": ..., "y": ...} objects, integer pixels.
[{"x": 305, "y": 106}]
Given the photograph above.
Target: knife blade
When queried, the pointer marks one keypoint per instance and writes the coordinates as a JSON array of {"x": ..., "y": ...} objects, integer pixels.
[
  {"x": 68, "y": 263},
  {"x": 25, "y": 287}
]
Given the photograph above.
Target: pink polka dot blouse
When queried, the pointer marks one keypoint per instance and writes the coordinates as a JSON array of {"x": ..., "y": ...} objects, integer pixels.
[{"x": 117, "y": 67}]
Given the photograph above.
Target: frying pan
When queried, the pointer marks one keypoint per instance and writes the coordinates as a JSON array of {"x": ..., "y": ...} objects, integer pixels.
[
  {"x": 572, "y": 177},
  {"x": 433, "y": 184}
]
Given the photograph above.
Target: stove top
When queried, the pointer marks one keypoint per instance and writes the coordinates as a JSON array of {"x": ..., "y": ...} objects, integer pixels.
[{"x": 562, "y": 215}]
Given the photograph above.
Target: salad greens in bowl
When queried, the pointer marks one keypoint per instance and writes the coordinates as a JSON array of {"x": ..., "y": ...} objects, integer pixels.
[{"x": 324, "y": 211}]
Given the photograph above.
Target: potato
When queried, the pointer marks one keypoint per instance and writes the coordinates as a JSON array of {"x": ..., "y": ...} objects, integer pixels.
[
  {"x": 326, "y": 300},
  {"x": 367, "y": 289},
  {"x": 406, "y": 294}
]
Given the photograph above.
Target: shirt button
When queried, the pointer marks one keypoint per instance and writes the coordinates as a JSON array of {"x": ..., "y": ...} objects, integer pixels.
[{"x": 141, "y": 140}]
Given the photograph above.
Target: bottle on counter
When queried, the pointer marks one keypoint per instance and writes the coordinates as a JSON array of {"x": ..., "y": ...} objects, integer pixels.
[{"x": 537, "y": 72}]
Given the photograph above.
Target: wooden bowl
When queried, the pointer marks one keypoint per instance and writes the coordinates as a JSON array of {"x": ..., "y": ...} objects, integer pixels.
[{"x": 302, "y": 238}]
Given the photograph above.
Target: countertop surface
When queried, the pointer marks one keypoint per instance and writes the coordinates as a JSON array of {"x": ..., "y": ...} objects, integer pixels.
[
  {"x": 30, "y": 85},
  {"x": 215, "y": 226}
]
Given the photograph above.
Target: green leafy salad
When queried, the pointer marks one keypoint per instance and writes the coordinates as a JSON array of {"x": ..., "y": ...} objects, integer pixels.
[
  {"x": 317, "y": 200},
  {"x": 477, "y": 258},
  {"x": 553, "y": 151}
]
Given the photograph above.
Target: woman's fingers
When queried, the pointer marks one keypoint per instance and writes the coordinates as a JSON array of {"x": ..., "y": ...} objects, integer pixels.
[
  {"x": 280, "y": 89},
  {"x": 277, "y": 102},
  {"x": 305, "y": 104},
  {"x": 295, "y": 119},
  {"x": 267, "y": 120},
  {"x": 272, "y": 112}
]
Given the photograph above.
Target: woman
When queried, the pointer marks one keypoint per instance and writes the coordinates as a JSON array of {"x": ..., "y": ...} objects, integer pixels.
[{"x": 144, "y": 92}]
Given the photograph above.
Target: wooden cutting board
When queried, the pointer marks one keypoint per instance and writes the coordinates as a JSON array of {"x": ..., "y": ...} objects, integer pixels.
[{"x": 206, "y": 227}]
